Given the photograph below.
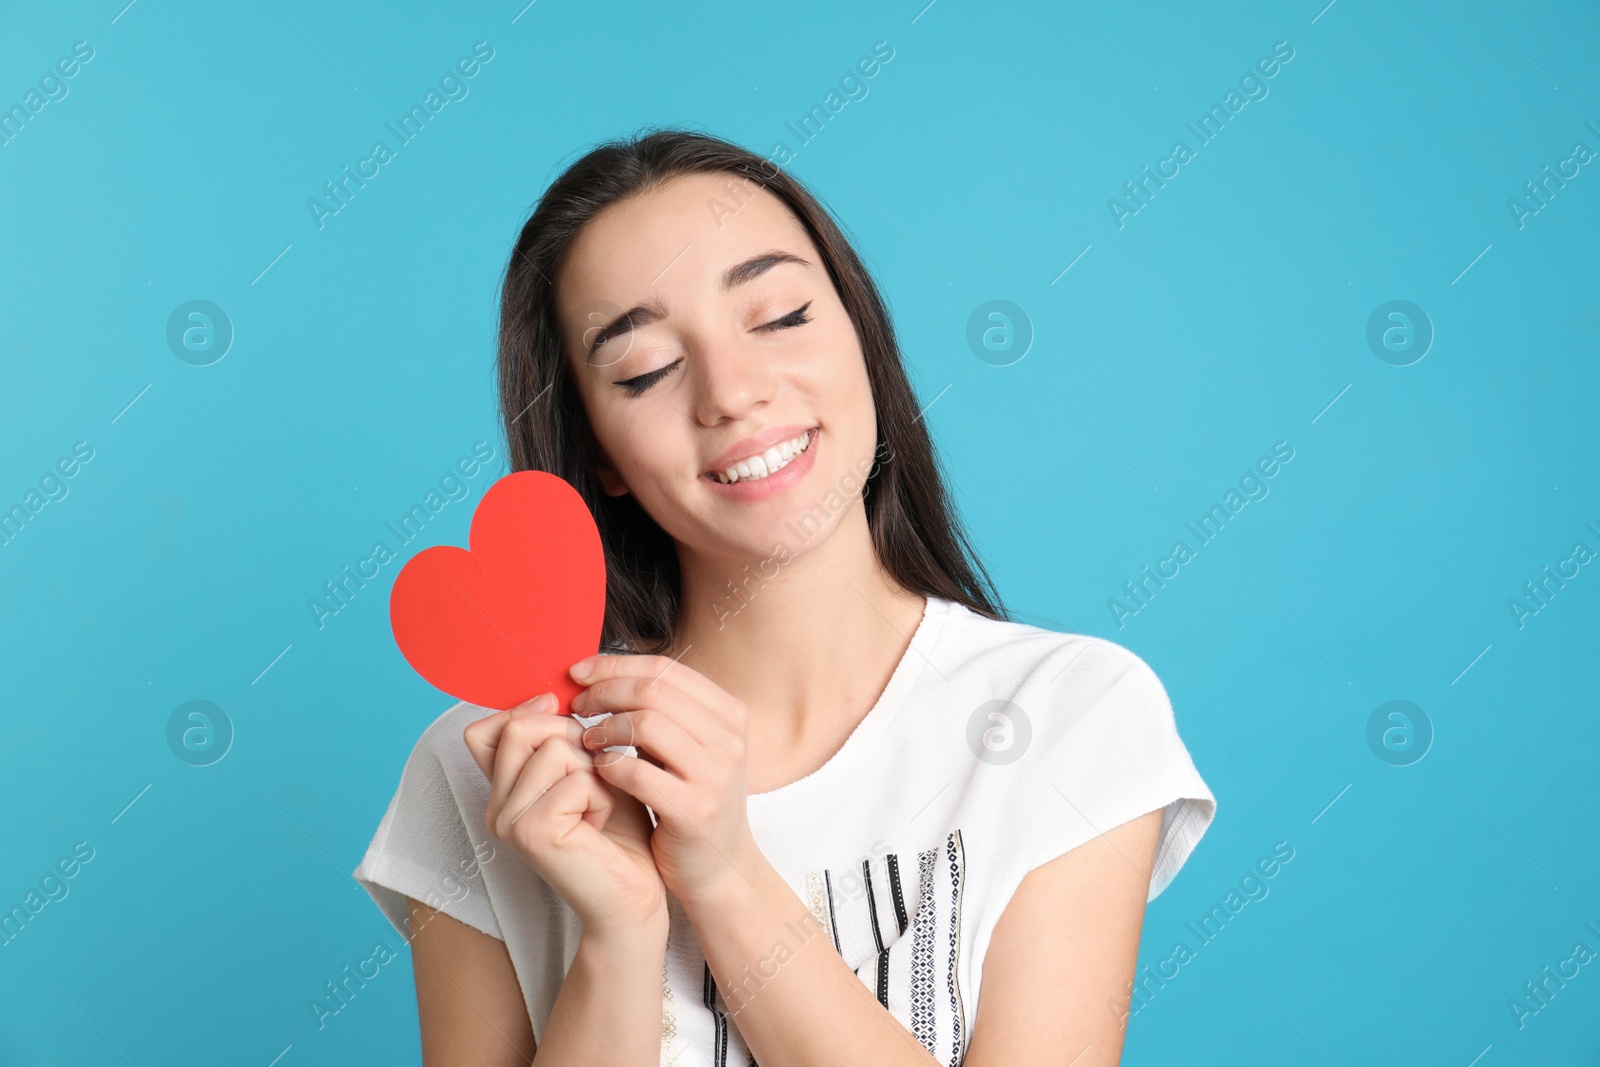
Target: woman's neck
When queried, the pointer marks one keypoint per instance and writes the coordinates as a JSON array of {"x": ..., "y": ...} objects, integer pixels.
[{"x": 807, "y": 644}]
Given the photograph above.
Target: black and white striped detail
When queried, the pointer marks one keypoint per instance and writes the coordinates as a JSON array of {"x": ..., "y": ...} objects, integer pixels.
[
  {"x": 719, "y": 1017},
  {"x": 918, "y": 978},
  {"x": 898, "y": 926}
]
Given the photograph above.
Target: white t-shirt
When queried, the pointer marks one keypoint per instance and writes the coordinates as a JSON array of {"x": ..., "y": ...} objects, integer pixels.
[{"x": 995, "y": 747}]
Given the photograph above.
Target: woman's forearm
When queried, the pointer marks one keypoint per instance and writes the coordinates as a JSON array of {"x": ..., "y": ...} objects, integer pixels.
[
  {"x": 779, "y": 974},
  {"x": 609, "y": 1007}
]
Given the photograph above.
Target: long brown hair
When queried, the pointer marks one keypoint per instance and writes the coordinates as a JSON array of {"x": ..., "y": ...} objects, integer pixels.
[{"x": 916, "y": 532}]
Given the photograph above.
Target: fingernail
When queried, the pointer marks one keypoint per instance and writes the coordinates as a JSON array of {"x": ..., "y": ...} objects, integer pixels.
[
  {"x": 580, "y": 700},
  {"x": 533, "y": 705},
  {"x": 594, "y": 736},
  {"x": 583, "y": 669},
  {"x": 547, "y": 702}
]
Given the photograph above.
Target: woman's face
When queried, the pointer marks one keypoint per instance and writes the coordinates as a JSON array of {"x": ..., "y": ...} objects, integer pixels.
[{"x": 737, "y": 348}]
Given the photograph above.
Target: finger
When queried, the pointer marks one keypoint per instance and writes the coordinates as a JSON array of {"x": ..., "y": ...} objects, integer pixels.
[
  {"x": 483, "y": 735},
  {"x": 483, "y": 739},
  {"x": 644, "y": 782},
  {"x": 635, "y": 693},
  {"x": 630, "y": 816},
  {"x": 521, "y": 737},
  {"x": 654, "y": 733},
  {"x": 554, "y": 761},
  {"x": 691, "y": 681},
  {"x": 603, "y": 802},
  {"x": 560, "y": 810}
]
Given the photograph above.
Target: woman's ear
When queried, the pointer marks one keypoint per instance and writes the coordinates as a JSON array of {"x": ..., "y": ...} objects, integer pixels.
[{"x": 610, "y": 480}]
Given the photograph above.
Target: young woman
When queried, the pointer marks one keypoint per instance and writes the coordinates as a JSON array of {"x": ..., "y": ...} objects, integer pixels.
[{"x": 833, "y": 807}]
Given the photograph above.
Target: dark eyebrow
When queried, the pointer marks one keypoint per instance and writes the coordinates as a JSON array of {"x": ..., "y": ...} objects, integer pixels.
[
  {"x": 756, "y": 266},
  {"x": 639, "y": 315},
  {"x": 644, "y": 314}
]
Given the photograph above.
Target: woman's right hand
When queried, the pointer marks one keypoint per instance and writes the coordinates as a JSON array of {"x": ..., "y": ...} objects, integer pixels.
[{"x": 588, "y": 841}]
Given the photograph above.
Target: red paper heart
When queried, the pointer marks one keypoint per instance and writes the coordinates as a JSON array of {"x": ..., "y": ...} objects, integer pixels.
[{"x": 504, "y": 620}]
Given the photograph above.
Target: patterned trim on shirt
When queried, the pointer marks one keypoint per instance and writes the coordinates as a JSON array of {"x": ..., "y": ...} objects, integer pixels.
[{"x": 870, "y": 933}]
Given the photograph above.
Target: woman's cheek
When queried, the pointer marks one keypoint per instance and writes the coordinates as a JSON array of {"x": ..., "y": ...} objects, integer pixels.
[{"x": 657, "y": 443}]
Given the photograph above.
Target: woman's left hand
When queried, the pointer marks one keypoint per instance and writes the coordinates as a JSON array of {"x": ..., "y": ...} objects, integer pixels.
[{"x": 692, "y": 734}]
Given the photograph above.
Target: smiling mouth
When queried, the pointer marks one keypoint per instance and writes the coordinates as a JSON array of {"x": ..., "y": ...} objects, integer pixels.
[{"x": 766, "y": 463}]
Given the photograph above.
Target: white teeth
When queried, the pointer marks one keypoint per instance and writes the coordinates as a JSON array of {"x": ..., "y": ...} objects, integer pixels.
[{"x": 767, "y": 463}]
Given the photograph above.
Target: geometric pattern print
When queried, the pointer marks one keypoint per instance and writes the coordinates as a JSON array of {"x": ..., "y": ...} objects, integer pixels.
[{"x": 902, "y": 939}]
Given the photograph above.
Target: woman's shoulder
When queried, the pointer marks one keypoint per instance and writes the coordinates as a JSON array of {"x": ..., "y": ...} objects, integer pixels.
[
  {"x": 1033, "y": 653},
  {"x": 1074, "y": 695},
  {"x": 1092, "y": 731},
  {"x": 432, "y": 836},
  {"x": 441, "y": 747},
  {"x": 451, "y": 724}
]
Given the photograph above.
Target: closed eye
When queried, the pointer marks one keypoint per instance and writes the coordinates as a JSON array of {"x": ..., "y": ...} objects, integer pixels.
[
  {"x": 797, "y": 317},
  {"x": 637, "y": 386}
]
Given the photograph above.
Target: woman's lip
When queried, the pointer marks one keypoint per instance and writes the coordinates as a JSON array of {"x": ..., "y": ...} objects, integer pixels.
[
  {"x": 762, "y": 488},
  {"x": 755, "y": 445}
]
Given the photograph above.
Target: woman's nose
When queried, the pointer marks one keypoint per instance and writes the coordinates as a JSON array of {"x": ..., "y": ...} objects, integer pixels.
[{"x": 733, "y": 376}]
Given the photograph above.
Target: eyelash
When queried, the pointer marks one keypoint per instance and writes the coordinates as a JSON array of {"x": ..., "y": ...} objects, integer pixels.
[
  {"x": 797, "y": 317},
  {"x": 637, "y": 386}
]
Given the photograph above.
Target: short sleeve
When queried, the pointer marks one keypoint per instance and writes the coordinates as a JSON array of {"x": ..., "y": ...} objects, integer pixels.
[
  {"x": 1112, "y": 753},
  {"x": 431, "y": 838}
]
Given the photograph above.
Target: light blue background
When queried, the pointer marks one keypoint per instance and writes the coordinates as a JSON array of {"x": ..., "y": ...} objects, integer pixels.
[{"x": 1222, "y": 318}]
